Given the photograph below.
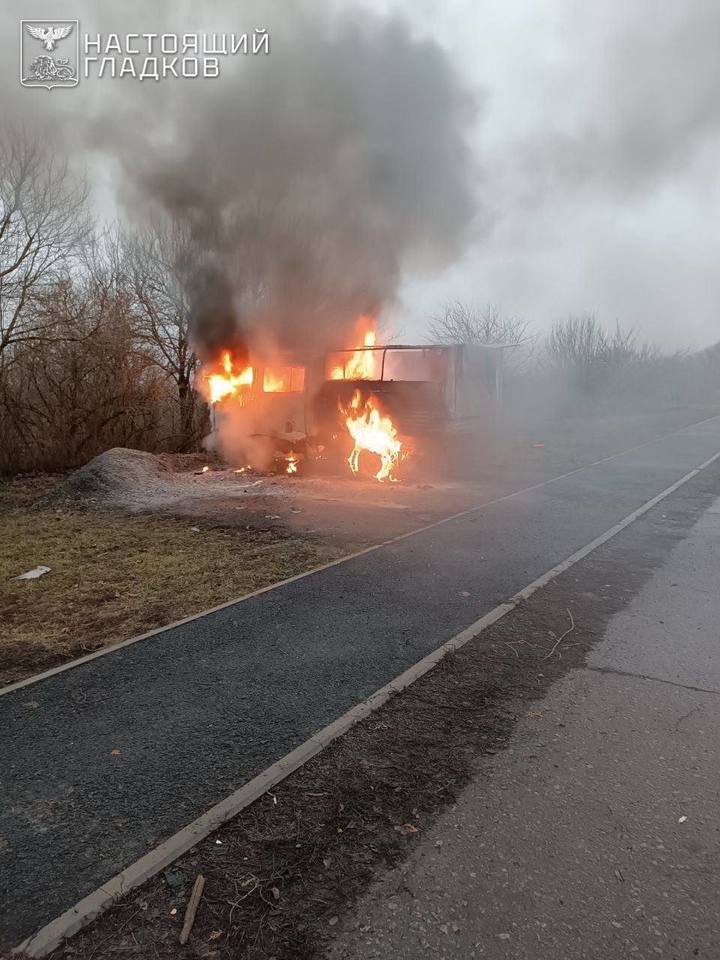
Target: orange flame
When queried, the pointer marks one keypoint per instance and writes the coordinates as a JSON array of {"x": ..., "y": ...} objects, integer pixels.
[
  {"x": 373, "y": 431},
  {"x": 292, "y": 463},
  {"x": 284, "y": 379},
  {"x": 361, "y": 364},
  {"x": 228, "y": 383}
]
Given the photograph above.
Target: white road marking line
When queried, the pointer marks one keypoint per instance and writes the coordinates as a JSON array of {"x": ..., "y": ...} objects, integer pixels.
[
  {"x": 71, "y": 664},
  {"x": 74, "y": 919}
]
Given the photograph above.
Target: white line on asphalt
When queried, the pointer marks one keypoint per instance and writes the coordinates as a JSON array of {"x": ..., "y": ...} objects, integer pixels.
[
  {"x": 74, "y": 919},
  {"x": 71, "y": 664}
]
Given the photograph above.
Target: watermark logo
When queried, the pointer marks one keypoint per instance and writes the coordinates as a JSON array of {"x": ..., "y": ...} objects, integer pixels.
[
  {"x": 49, "y": 53},
  {"x": 52, "y": 53}
]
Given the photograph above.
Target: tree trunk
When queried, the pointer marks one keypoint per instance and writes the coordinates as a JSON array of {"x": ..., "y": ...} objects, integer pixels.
[{"x": 186, "y": 396}]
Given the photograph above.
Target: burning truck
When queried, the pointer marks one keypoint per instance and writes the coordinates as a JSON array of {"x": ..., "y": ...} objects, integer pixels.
[{"x": 380, "y": 410}]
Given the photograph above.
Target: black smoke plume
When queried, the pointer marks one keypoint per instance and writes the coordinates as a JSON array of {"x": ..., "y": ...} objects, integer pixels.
[{"x": 308, "y": 178}]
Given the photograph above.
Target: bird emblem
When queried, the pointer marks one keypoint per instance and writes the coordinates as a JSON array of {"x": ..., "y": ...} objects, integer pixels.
[{"x": 49, "y": 36}]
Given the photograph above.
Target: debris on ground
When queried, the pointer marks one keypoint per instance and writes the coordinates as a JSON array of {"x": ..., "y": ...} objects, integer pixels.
[
  {"x": 193, "y": 903},
  {"x": 34, "y": 574},
  {"x": 175, "y": 878}
]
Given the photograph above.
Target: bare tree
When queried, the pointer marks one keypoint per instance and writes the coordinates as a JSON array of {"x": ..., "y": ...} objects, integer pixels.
[
  {"x": 90, "y": 386},
  {"x": 596, "y": 361},
  {"x": 460, "y": 323},
  {"x": 578, "y": 342},
  {"x": 42, "y": 224},
  {"x": 157, "y": 261}
]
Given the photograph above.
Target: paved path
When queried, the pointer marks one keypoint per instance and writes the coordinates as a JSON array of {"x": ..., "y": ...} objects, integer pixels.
[
  {"x": 202, "y": 707},
  {"x": 597, "y": 834}
]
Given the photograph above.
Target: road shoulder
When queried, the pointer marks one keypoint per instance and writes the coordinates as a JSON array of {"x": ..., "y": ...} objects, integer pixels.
[{"x": 596, "y": 832}]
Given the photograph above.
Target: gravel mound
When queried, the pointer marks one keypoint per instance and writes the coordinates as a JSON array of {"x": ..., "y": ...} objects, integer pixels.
[
  {"x": 137, "y": 481},
  {"x": 116, "y": 477}
]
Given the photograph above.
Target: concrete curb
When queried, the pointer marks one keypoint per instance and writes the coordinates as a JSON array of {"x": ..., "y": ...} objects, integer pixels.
[{"x": 68, "y": 923}]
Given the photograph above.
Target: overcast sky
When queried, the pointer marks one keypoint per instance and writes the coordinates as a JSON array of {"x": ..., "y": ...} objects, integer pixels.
[
  {"x": 597, "y": 142},
  {"x": 600, "y": 143}
]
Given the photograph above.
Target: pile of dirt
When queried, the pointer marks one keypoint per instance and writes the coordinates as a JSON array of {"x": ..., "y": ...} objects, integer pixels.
[
  {"x": 115, "y": 477},
  {"x": 135, "y": 481}
]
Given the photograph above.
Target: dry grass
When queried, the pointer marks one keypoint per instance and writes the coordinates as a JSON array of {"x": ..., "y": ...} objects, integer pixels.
[{"x": 114, "y": 576}]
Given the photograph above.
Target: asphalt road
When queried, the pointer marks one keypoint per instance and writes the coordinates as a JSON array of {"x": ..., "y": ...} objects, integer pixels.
[
  {"x": 201, "y": 708},
  {"x": 595, "y": 834}
]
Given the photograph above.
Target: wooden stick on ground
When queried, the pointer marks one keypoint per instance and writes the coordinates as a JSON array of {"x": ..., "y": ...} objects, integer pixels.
[{"x": 192, "y": 906}]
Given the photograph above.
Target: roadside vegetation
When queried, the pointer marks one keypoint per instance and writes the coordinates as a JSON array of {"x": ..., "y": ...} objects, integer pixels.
[
  {"x": 96, "y": 348},
  {"x": 94, "y": 325},
  {"x": 586, "y": 373}
]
